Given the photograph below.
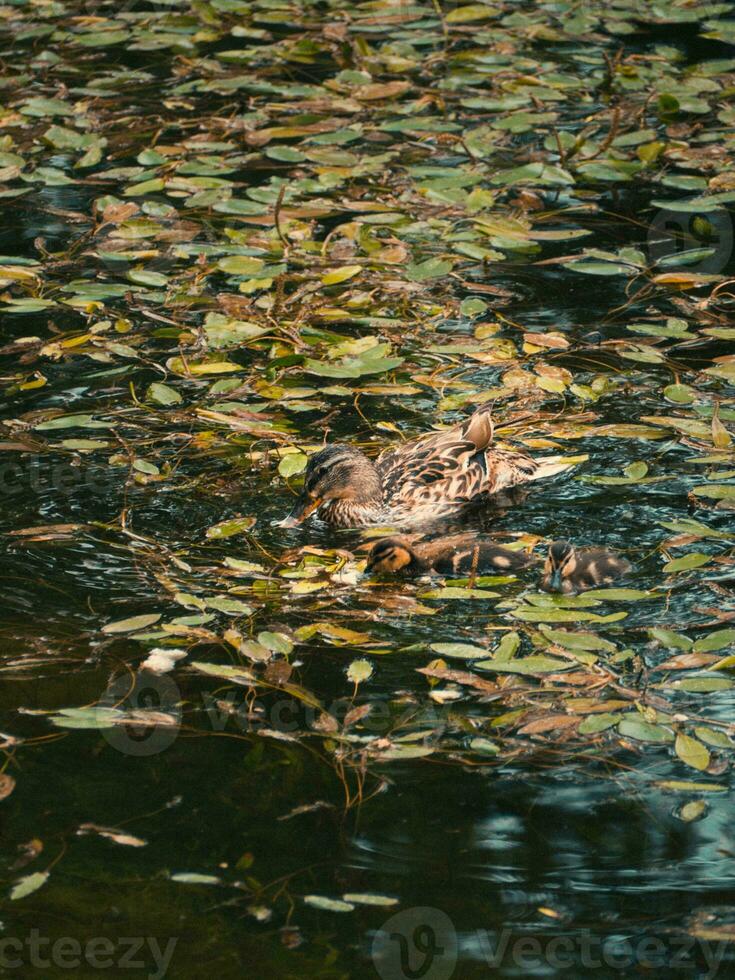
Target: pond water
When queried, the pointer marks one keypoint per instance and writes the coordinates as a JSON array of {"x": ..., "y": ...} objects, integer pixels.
[{"x": 231, "y": 229}]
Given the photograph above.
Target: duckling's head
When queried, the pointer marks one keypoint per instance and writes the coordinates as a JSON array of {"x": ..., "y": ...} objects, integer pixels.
[
  {"x": 336, "y": 473},
  {"x": 390, "y": 556},
  {"x": 560, "y": 564}
]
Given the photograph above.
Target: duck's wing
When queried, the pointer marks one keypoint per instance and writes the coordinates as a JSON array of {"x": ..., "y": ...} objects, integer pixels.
[
  {"x": 442, "y": 466},
  {"x": 455, "y": 466},
  {"x": 599, "y": 567}
]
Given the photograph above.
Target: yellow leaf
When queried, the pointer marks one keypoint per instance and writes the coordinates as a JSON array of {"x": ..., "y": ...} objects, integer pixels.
[{"x": 334, "y": 276}]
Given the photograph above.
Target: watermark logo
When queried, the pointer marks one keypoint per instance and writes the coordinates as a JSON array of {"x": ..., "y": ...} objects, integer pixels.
[
  {"x": 691, "y": 242},
  {"x": 152, "y": 714},
  {"x": 417, "y": 944},
  {"x": 38, "y": 952}
]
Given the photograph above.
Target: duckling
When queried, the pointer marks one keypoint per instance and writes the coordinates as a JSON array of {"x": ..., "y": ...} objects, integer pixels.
[
  {"x": 457, "y": 554},
  {"x": 424, "y": 479},
  {"x": 568, "y": 570}
]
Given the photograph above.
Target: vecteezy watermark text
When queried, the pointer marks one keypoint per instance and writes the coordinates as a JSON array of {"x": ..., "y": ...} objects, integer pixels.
[
  {"x": 422, "y": 943},
  {"x": 39, "y": 952}
]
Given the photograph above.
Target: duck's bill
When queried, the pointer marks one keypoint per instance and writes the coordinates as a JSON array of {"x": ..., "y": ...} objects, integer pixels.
[
  {"x": 305, "y": 506},
  {"x": 555, "y": 582}
]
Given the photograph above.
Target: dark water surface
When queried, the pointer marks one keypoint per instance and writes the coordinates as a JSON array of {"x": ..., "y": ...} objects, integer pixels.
[{"x": 222, "y": 842}]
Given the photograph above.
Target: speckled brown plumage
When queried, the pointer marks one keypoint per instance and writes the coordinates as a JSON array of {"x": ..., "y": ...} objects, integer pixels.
[
  {"x": 569, "y": 570},
  {"x": 424, "y": 479},
  {"x": 457, "y": 554}
]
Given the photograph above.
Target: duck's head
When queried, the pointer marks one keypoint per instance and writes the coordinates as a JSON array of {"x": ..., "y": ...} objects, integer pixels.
[
  {"x": 560, "y": 564},
  {"x": 390, "y": 556},
  {"x": 335, "y": 473}
]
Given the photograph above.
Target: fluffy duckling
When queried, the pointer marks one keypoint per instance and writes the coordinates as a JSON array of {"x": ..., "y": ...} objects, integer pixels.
[
  {"x": 424, "y": 479},
  {"x": 458, "y": 554},
  {"x": 569, "y": 570}
]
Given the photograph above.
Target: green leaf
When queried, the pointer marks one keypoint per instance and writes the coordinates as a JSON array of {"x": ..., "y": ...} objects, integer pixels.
[
  {"x": 229, "y": 528},
  {"x": 692, "y": 811},
  {"x": 643, "y": 731},
  {"x": 717, "y": 492},
  {"x": 472, "y": 307},
  {"x": 704, "y": 685},
  {"x": 507, "y": 648},
  {"x": 163, "y": 394},
  {"x": 592, "y": 268},
  {"x": 551, "y": 615},
  {"x": 687, "y": 562},
  {"x": 28, "y": 884},
  {"x": 292, "y": 464},
  {"x": 359, "y": 671},
  {"x": 484, "y": 746},
  {"x": 397, "y": 753},
  {"x": 684, "y": 786},
  {"x": 335, "y": 276},
  {"x": 241, "y": 265},
  {"x": 232, "y": 607},
  {"x": 452, "y": 592},
  {"x": 276, "y": 642},
  {"x": 132, "y": 624},
  {"x": 526, "y": 665},
  {"x": 593, "y": 724},
  {"x": 620, "y": 595},
  {"x": 578, "y": 641},
  {"x": 69, "y": 422},
  {"x": 670, "y": 639},
  {"x": 240, "y": 675},
  {"x": 430, "y": 269},
  {"x": 692, "y": 752},
  {"x": 715, "y": 641},
  {"x": 464, "y": 651},
  {"x": 714, "y": 737}
]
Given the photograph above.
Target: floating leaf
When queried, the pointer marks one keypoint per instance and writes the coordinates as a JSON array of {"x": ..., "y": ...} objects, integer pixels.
[
  {"x": 363, "y": 898},
  {"x": 687, "y": 562},
  {"x": 718, "y": 640},
  {"x": 28, "y": 884},
  {"x": 336, "y": 276},
  {"x": 163, "y": 394},
  {"x": 644, "y": 731},
  {"x": 194, "y": 878},
  {"x": 328, "y": 904},
  {"x": 228, "y": 529},
  {"x": 359, "y": 671},
  {"x": 525, "y": 665},
  {"x": 692, "y": 752},
  {"x": 132, "y": 624},
  {"x": 464, "y": 651}
]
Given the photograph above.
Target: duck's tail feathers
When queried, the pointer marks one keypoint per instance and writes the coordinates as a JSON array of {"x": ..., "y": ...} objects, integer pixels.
[
  {"x": 551, "y": 466},
  {"x": 479, "y": 428}
]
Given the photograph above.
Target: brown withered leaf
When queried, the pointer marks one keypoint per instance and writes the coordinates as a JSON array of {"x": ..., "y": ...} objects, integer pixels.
[
  {"x": 549, "y": 723},
  {"x": 380, "y": 90},
  {"x": 357, "y": 714},
  {"x": 460, "y": 677},
  {"x": 7, "y": 785},
  {"x": 687, "y": 661},
  {"x": 278, "y": 672}
]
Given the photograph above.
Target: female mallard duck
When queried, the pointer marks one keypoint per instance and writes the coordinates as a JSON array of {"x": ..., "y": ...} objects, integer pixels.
[
  {"x": 457, "y": 554},
  {"x": 568, "y": 570},
  {"x": 430, "y": 477}
]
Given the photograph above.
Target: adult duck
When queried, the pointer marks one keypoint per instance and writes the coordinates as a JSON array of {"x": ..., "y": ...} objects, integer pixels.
[{"x": 422, "y": 480}]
